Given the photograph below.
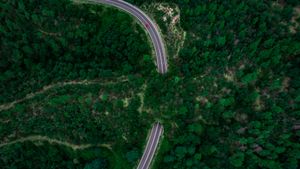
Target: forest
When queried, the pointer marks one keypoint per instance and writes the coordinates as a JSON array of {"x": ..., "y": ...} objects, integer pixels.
[{"x": 84, "y": 76}]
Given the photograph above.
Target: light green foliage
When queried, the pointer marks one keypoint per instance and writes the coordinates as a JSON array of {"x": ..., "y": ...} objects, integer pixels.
[
  {"x": 59, "y": 100},
  {"x": 104, "y": 97},
  {"x": 237, "y": 159},
  {"x": 196, "y": 128},
  {"x": 180, "y": 152},
  {"x": 228, "y": 114},
  {"x": 248, "y": 78},
  {"x": 221, "y": 41}
]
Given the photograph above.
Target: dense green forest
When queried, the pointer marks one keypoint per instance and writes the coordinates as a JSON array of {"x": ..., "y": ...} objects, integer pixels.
[
  {"x": 84, "y": 74},
  {"x": 48, "y": 41},
  {"x": 63, "y": 157},
  {"x": 75, "y": 70}
]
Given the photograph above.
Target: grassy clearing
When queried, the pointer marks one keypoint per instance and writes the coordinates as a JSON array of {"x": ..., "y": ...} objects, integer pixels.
[
  {"x": 58, "y": 85},
  {"x": 84, "y": 114},
  {"x": 39, "y": 138},
  {"x": 167, "y": 15}
]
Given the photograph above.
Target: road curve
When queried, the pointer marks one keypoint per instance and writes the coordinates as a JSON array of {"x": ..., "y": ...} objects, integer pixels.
[
  {"x": 150, "y": 26},
  {"x": 162, "y": 66},
  {"x": 151, "y": 146}
]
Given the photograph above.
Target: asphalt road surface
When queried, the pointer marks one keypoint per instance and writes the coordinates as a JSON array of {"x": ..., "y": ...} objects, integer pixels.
[
  {"x": 161, "y": 62},
  {"x": 149, "y": 25},
  {"x": 151, "y": 146}
]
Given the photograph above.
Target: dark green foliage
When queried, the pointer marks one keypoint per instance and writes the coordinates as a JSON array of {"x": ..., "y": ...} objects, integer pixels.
[
  {"x": 239, "y": 72},
  {"x": 96, "y": 164},
  {"x": 45, "y": 41},
  {"x": 30, "y": 156},
  {"x": 230, "y": 100},
  {"x": 132, "y": 156}
]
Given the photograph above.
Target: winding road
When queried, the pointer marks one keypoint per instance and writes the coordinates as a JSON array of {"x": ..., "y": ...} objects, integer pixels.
[
  {"x": 151, "y": 146},
  {"x": 162, "y": 66},
  {"x": 150, "y": 26}
]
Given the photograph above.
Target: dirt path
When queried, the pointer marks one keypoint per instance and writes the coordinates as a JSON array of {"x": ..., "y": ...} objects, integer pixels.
[
  {"x": 7, "y": 106},
  {"x": 142, "y": 96},
  {"x": 54, "y": 141}
]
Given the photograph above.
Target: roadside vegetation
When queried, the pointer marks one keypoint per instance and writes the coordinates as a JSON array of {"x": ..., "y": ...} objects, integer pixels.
[
  {"x": 73, "y": 73},
  {"x": 44, "y": 42},
  {"x": 19, "y": 155},
  {"x": 229, "y": 100},
  {"x": 93, "y": 114}
]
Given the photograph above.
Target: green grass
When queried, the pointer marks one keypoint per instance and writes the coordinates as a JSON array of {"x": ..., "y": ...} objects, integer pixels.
[{"x": 78, "y": 114}]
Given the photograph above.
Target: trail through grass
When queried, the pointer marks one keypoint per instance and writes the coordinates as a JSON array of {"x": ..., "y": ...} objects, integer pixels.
[
  {"x": 37, "y": 138},
  {"x": 7, "y": 106}
]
